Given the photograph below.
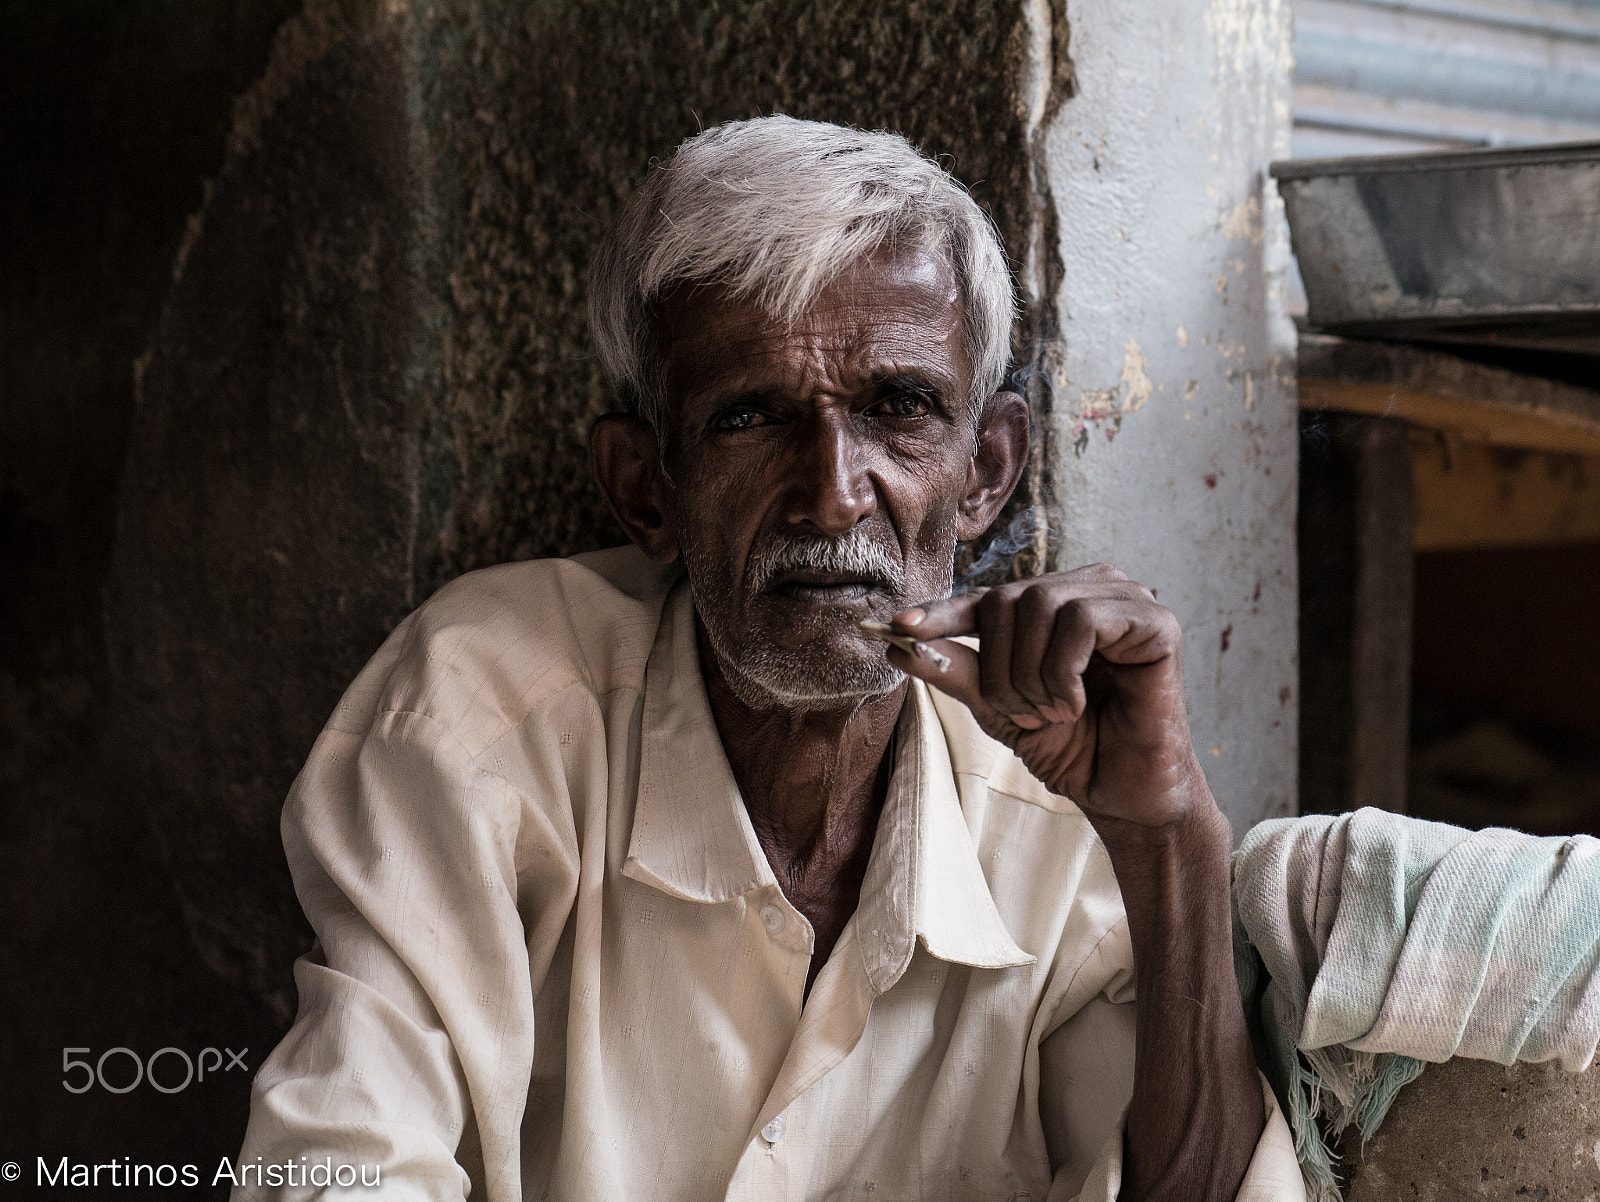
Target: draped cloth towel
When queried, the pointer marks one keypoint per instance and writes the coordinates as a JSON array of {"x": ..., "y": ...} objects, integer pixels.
[{"x": 1369, "y": 943}]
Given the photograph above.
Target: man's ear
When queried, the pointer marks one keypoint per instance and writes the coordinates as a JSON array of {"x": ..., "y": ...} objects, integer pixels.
[
  {"x": 997, "y": 464},
  {"x": 626, "y": 460}
]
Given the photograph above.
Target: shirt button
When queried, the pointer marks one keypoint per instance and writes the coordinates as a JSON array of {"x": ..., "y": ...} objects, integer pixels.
[
  {"x": 773, "y": 1131},
  {"x": 772, "y": 919}
]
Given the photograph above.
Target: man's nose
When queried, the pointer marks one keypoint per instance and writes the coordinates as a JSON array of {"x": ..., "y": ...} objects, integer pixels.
[{"x": 831, "y": 489}]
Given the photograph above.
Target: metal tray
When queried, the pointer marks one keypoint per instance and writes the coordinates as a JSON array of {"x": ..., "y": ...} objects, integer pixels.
[{"x": 1483, "y": 246}]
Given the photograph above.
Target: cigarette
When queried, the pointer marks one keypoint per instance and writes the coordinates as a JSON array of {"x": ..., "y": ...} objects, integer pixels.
[{"x": 908, "y": 644}]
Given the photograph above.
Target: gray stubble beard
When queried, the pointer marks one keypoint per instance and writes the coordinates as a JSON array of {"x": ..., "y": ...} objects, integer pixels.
[{"x": 763, "y": 673}]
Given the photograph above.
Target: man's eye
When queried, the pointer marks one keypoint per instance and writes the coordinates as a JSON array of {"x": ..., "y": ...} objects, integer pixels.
[
  {"x": 739, "y": 418},
  {"x": 903, "y": 404}
]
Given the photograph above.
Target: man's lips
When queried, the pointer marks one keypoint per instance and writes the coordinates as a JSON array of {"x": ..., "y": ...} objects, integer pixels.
[
  {"x": 815, "y": 579},
  {"x": 825, "y": 586}
]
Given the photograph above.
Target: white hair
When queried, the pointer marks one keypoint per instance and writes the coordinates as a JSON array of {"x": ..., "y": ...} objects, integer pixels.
[{"x": 774, "y": 209}]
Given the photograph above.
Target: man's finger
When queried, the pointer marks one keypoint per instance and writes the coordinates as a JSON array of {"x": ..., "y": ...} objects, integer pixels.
[
  {"x": 960, "y": 680},
  {"x": 959, "y": 614},
  {"x": 1032, "y": 642},
  {"x": 997, "y": 630},
  {"x": 942, "y": 619}
]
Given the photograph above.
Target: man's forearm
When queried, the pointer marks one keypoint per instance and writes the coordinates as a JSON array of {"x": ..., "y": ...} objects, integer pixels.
[{"x": 1196, "y": 1113}]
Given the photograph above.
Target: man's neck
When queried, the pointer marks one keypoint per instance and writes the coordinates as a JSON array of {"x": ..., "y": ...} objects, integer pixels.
[{"x": 813, "y": 782}]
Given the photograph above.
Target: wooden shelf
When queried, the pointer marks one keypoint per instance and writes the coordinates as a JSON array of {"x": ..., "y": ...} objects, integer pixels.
[
  {"x": 1441, "y": 391},
  {"x": 1470, "y": 495},
  {"x": 1498, "y": 458}
]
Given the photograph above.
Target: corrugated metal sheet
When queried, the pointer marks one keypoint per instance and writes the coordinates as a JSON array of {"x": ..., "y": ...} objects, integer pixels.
[{"x": 1399, "y": 76}]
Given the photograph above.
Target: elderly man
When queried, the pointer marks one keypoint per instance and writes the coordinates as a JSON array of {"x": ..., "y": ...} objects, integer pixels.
[{"x": 650, "y": 874}]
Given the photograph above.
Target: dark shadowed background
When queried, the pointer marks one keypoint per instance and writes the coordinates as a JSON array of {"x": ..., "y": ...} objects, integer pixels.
[{"x": 111, "y": 117}]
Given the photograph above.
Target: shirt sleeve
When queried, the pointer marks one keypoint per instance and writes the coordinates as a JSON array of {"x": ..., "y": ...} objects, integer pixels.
[{"x": 415, "y": 1023}]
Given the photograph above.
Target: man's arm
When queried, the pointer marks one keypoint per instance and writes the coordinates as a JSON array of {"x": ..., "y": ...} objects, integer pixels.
[
  {"x": 415, "y": 1025},
  {"x": 1196, "y": 1112},
  {"x": 1080, "y": 674}
]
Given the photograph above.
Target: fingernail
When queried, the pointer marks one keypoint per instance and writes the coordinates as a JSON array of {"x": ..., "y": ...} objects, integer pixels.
[{"x": 911, "y": 617}]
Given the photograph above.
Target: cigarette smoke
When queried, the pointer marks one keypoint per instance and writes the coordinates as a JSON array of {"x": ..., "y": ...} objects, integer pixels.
[{"x": 1038, "y": 528}]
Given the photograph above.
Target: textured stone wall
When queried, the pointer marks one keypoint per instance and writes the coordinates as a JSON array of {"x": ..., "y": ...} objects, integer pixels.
[
  {"x": 265, "y": 528},
  {"x": 1476, "y": 1129},
  {"x": 547, "y": 116},
  {"x": 373, "y": 372}
]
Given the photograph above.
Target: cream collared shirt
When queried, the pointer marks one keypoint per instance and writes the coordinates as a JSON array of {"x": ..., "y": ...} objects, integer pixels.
[{"x": 553, "y": 962}]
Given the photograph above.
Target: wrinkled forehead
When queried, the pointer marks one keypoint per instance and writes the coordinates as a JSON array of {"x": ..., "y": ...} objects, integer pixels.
[{"x": 891, "y": 312}]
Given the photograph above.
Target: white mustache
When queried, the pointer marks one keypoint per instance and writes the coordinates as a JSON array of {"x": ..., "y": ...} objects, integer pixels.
[{"x": 854, "y": 554}]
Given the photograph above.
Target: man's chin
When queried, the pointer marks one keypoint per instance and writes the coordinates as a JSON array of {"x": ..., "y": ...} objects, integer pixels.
[
  {"x": 775, "y": 695},
  {"x": 814, "y": 677},
  {"x": 801, "y": 648}
]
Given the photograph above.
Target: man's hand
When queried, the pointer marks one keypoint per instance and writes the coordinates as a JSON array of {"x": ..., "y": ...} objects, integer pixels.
[{"x": 1080, "y": 673}]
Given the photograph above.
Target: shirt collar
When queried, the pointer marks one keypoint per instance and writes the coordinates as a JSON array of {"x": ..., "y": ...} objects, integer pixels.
[
  {"x": 691, "y": 834},
  {"x": 693, "y": 839},
  {"x": 924, "y": 880}
]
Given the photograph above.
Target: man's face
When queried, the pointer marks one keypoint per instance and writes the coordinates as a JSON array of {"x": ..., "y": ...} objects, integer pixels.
[{"x": 817, "y": 471}]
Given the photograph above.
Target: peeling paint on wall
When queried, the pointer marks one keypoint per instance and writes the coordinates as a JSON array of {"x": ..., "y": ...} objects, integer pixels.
[
  {"x": 1136, "y": 382},
  {"x": 1104, "y": 408},
  {"x": 1243, "y": 221},
  {"x": 1174, "y": 253},
  {"x": 1248, "y": 38}
]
